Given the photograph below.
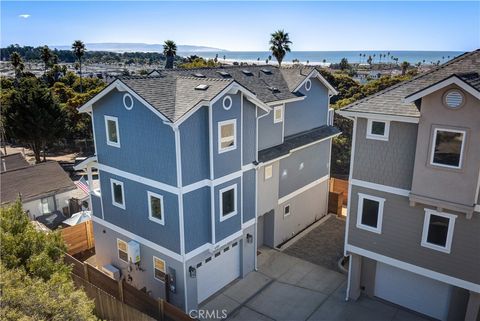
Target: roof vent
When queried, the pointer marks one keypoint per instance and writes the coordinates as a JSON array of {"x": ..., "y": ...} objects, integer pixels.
[
  {"x": 266, "y": 71},
  {"x": 273, "y": 89},
  {"x": 247, "y": 72},
  {"x": 199, "y": 75},
  {"x": 201, "y": 87},
  {"x": 223, "y": 73}
]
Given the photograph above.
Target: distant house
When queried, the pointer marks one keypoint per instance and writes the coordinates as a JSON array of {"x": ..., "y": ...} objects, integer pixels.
[
  {"x": 43, "y": 188},
  {"x": 13, "y": 161}
]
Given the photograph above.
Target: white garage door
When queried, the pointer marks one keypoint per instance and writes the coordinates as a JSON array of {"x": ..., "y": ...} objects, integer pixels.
[
  {"x": 412, "y": 291},
  {"x": 217, "y": 272}
]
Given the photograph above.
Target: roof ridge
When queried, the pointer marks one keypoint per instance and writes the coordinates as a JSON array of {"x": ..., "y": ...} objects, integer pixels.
[
  {"x": 381, "y": 92},
  {"x": 204, "y": 78},
  {"x": 31, "y": 166}
]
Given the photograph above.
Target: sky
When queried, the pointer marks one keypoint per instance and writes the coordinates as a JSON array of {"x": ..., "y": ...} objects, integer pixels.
[{"x": 246, "y": 26}]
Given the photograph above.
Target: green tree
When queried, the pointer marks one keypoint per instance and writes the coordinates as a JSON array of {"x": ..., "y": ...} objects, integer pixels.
[
  {"x": 46, "y": 56},
  {"x": 78, "y": 48},
  {"x": 170, "y": 51},
  {"x": 33, "y": 116},
  {"x": 344, "y": 65},
  {"x": 405, "y": 65},
  {"x": 17, "y": 63},
  {"x": 280, "y": 45}
]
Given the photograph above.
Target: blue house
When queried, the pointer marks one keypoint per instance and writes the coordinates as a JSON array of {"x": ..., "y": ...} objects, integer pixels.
[{"x": 199, "y": 168}]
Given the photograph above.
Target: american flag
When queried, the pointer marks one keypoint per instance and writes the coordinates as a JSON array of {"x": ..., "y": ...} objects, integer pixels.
[{"x": 82, "y": 184}]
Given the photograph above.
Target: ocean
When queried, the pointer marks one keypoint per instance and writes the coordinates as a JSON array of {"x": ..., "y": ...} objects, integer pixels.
[{"x": 328, "y": 57}]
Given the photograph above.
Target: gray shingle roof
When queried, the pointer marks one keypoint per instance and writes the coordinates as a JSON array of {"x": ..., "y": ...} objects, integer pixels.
[
  {"x": 174, "y": 95},
  {"x": 13, "y": 161},
  {"x": 34, "y": 181},
  {"x": 471, "y": 78},
  {"x": 297, "y": 140},
  {"x": 295, "y": 75},
  {"x": 390, "y": 100},
  {"x": 262, "y": 84}
]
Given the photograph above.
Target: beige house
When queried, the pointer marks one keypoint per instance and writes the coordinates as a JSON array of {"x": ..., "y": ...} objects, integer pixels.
[{"x": 413, "y": 226}]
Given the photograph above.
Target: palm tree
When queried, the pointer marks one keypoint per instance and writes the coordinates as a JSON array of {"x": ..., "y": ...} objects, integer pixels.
[
  {"x": 405, "y": 65},
  {"x": 279, "y": 45},
  {"x": 170, "y": 51},
  {"x": 46, "y": 55},
  {"x": 17, "y": 63},
  {"x": 78, "y": 48}
]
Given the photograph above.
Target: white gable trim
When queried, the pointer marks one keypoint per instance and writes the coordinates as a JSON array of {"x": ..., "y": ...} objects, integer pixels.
[
  {"x": 315, "y": 74},
  {"x": 85, "y": 163},
  {"x": 120, "y": 86},
  {"x": 449, "y": 81},
  {"x": 403, "y": 119}
]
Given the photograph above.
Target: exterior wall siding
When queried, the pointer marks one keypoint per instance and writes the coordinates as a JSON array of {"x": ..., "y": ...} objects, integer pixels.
[
  {"x": 269, "y": 133},
  {"x": 315, "y": 159},
  {"x": 402, "y": 233},
  {"x": 197, "y": 217},
  {"x": 267, "y": 196},
  {"x": 135, "y": 216},
  {"x": 249, "y": 132},
  {"x": 194, "y": 141},
  {"x": 308, "y": 113},
  {"x": 227, "y": 162},
  {"x": 249, "y": 194},
  {"x": 456, "y": 186},
  {"x": 232, "y": 224},
  {"x": 147, "y": 145},
  {"x": 106, "y": 253},
  {"x": 389, "y": 162},
  {"x": 96, "y": 205}
]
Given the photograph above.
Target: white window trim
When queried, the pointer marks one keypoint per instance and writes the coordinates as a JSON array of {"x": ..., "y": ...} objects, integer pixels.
[
  {"x": 275, "y": 120},
  {"x": 308, "y": 85},
  {"x": 381, "y": 204},
  {"x": 385, "y": 135},
  {"x": 164, "y": 268},
  {"x": 125, "y": 96},
  {"x": 112, "y": 181},
  {"x": 289, "y": 210},
  {"x": 109, "y": 142},
  {"x": 118, "y": 250},
  {"x": 220, "y": 200},
  {"x": 219, "y": 134},
  {"x": 451, "y": 226},
  {"x": 432, "y": 151},
  {"x": 150, "y": 216},
  {"x": 225, "y": 99},
  {"x": 265, "y": 172}
]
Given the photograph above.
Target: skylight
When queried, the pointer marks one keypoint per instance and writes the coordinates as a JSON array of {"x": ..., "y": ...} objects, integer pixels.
[
  {"x": 223, "y": 73},
  {"x": 199, "y": 75},
  {"x": 266, "y": 71},
  {"x": 201, "y": 87},
  {"x": 247, "y": 72}
]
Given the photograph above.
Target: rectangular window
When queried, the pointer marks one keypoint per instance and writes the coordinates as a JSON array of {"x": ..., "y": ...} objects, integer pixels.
[
  {"x": 227, "y": 135},
  {"x": 122, "y": 248},
  {"x": 111, "y": 126},
  {"x": 118, "y": 195},
  {"x": 277, "y": 114},
  {"x": 48, "y": 205},
  {"x": 370, "y": 213},
  {"x": 438, "y": 230},
  {"x": 155, "y": 208},
  {"x": 447, "y": 148},
  {"x": 228, "y": 202},
  {"x": 286, "y": 210},
  {"x": 378, "y": 129},
  {"x": 159, "y": 269},
  {"x": 268, "y": 171}
]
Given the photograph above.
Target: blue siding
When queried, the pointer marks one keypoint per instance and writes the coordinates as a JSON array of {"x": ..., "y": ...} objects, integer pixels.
[
  {"x": 228, "y": 162},
  {"x": 232, "y": 224},
  {"x": 194, "y": 135},
  {"x": 249, "y": 132},
  {"x": 249, "y": 192},
  {"x": 197, "y": 218},
  {"x": 135, "y": 216},
  {"x": 269, "y": 134},
  {"x": 147, "y": 145},
  {"x": 308, "y": 113},
  {"x": 315, "y": 165},
  {"x": 96, "y": 206}
]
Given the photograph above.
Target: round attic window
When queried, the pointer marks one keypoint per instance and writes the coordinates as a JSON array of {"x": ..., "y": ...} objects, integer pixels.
[
  {"x": 454, "y": 99},
  {"x": 227, "y": 102},
  {"x": 308, "y": 85},
  {"x": 128, "y": 101}
]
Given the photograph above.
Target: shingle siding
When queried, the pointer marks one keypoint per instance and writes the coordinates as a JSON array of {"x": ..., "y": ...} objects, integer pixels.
[
  {"x": 389, "y": 162},
  {"x": 402, "y": 233}
]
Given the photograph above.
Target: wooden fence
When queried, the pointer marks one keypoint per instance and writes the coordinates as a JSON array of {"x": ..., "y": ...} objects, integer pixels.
[
  {"x": 118, "y": 300},
  {"x": 340, "y": 186},
  {"x": 79, "y": 237}
]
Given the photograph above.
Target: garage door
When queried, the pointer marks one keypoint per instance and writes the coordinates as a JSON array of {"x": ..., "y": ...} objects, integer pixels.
[
  {"x": 412, "y": 291},
  {"x": 218, "y": 270}
]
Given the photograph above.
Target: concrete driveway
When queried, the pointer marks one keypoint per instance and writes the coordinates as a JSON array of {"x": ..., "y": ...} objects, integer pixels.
[{"x": 289, "y": 288}]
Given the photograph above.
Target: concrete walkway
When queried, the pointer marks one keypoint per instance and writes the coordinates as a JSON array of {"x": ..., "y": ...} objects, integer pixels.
[{"x": 289, "y": 288}]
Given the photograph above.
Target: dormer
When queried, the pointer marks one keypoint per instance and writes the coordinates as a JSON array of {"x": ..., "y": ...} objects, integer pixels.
[{"x": 447, "y": 160}]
